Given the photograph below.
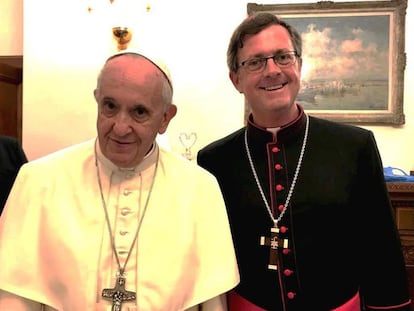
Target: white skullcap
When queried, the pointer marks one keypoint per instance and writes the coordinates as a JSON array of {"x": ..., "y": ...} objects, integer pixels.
[{"x": 151, "y": 56}]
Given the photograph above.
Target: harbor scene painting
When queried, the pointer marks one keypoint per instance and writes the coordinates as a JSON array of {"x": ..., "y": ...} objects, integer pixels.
[
  {"x": 353, "y": 58},
  {"x": 345, "y": 62}
]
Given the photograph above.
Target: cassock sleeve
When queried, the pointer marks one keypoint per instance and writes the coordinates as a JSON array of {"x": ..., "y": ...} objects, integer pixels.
[{"x": 384, "y": 282}]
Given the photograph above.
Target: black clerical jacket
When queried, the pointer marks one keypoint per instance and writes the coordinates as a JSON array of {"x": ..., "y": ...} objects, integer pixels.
[
  {"x": 339, "y": 224},
  {"x": 12, "y": 157}
]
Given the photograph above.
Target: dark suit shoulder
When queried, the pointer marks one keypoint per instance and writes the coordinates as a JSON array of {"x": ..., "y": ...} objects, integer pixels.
[
  {"x": 324, "y": 124},
  {"x": 217, "y": 154},
  {"x": 340, "y": 132},
  {"x": 7, "y": 142},
  {"x": 12, "y": 157},
  {"x": 11, "y": 152},
  {"x": 224, "y": 142}
]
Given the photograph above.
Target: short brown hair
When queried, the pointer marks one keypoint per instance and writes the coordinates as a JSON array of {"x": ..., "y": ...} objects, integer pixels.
[{"x": 253, "y": 25}]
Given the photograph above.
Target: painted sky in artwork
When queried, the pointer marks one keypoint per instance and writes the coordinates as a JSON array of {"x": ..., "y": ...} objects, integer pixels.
[{"x": 344, "y": 47}]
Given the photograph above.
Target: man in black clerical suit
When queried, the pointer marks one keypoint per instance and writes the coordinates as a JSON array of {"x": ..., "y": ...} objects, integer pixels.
[
  {"x": 12, "y": 157},
  {"x": 312, "y": 223}
]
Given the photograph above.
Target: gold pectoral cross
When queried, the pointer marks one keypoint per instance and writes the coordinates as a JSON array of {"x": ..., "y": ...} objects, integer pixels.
[
  {"x": 118, "y": 294},
  {"x": 274, "y": 242}
]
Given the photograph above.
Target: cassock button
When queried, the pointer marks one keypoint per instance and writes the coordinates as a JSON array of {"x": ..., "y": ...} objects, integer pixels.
[
  {"x": 275, "y": 149},
  {"x": 127, "y": 192},
  {"x": 281, "y": 207},
  {"x": 291, "y": 295},
  {"x": 125, "y": 211},
  {"x": 283, "y": 229},
  {"x": 279, "y": 187},
  {"x": 287, "y": 272},
  {"x": 129, "y": 175},
  {"x": 286, "y": 251},
  {"x": 278, "y": 167}
]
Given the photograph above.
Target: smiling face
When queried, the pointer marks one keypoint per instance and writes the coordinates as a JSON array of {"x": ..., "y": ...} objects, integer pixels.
[
  {"x": 271, "y": 93},
  {"x": 132, "y": 108}
]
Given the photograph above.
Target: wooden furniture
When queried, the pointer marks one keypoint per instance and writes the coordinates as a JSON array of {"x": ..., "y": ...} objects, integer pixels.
[
  {"x": 11, "y": 88},
  {"x": 402, "y": 198}
]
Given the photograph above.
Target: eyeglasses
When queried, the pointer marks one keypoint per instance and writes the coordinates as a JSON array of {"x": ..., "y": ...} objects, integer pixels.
[{"x": 285, "y": 59}]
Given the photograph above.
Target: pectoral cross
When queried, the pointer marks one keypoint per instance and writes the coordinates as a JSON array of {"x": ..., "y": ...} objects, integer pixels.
[
  {"x": 118, "y": 294},
  {"x": 274, "y": 242}
]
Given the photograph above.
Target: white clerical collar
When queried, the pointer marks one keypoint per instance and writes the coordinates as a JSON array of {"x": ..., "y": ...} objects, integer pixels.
[
  {"x": 146, "y": 162},
  {"x": 273, "y": 130}
]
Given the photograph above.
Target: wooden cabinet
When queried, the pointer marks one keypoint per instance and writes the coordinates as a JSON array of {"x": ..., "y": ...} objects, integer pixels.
[
  {"x": 11, "y": 87},
  {"x": 402, "y": 198}
]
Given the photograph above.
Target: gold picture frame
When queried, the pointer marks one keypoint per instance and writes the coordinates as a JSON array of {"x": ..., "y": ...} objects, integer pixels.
[{"x": 353, "y": 58}]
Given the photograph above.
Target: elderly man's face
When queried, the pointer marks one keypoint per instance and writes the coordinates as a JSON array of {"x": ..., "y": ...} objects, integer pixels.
[{"x": 131, "y": 110}]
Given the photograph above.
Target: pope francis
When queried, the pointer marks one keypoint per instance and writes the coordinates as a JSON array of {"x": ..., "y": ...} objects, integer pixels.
[{"x": 117, "y": 222}]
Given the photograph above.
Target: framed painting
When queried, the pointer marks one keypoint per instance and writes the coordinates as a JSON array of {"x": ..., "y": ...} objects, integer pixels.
[{"x": 353, "y": 58}]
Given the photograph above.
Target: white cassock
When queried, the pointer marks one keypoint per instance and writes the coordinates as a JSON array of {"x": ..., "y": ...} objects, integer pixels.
[{"x": 55, "y": 246}]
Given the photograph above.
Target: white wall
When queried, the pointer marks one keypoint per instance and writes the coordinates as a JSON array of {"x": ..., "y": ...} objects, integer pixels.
[
  {"x": 11, "y": 22},
  {"x": 65, "y": 46}
]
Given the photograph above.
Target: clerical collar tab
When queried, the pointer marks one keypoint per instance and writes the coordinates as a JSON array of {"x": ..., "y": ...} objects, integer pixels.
[{"x": 273, "y": 130}]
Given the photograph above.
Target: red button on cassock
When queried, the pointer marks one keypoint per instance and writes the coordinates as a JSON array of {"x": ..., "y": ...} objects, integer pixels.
[
  {"x": 283, "y": 229},
  {"x": 278, "y": 167},
  {"x": 279, "y": 188},
  {"x": 291, "y": 295},
  {"x": 275, "y": 149}
]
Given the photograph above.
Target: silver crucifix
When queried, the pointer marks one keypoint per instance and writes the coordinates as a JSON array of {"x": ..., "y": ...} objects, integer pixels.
[
  {"x": 118, "y": 294},
  {"x": 274, "y": 242}
]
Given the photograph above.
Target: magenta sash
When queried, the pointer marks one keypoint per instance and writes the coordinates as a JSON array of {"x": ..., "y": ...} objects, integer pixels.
[
  {"x": 238, "y": 303},
  {"x": 235, "y": 302},
  {"x": 352, "y": 304}
]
